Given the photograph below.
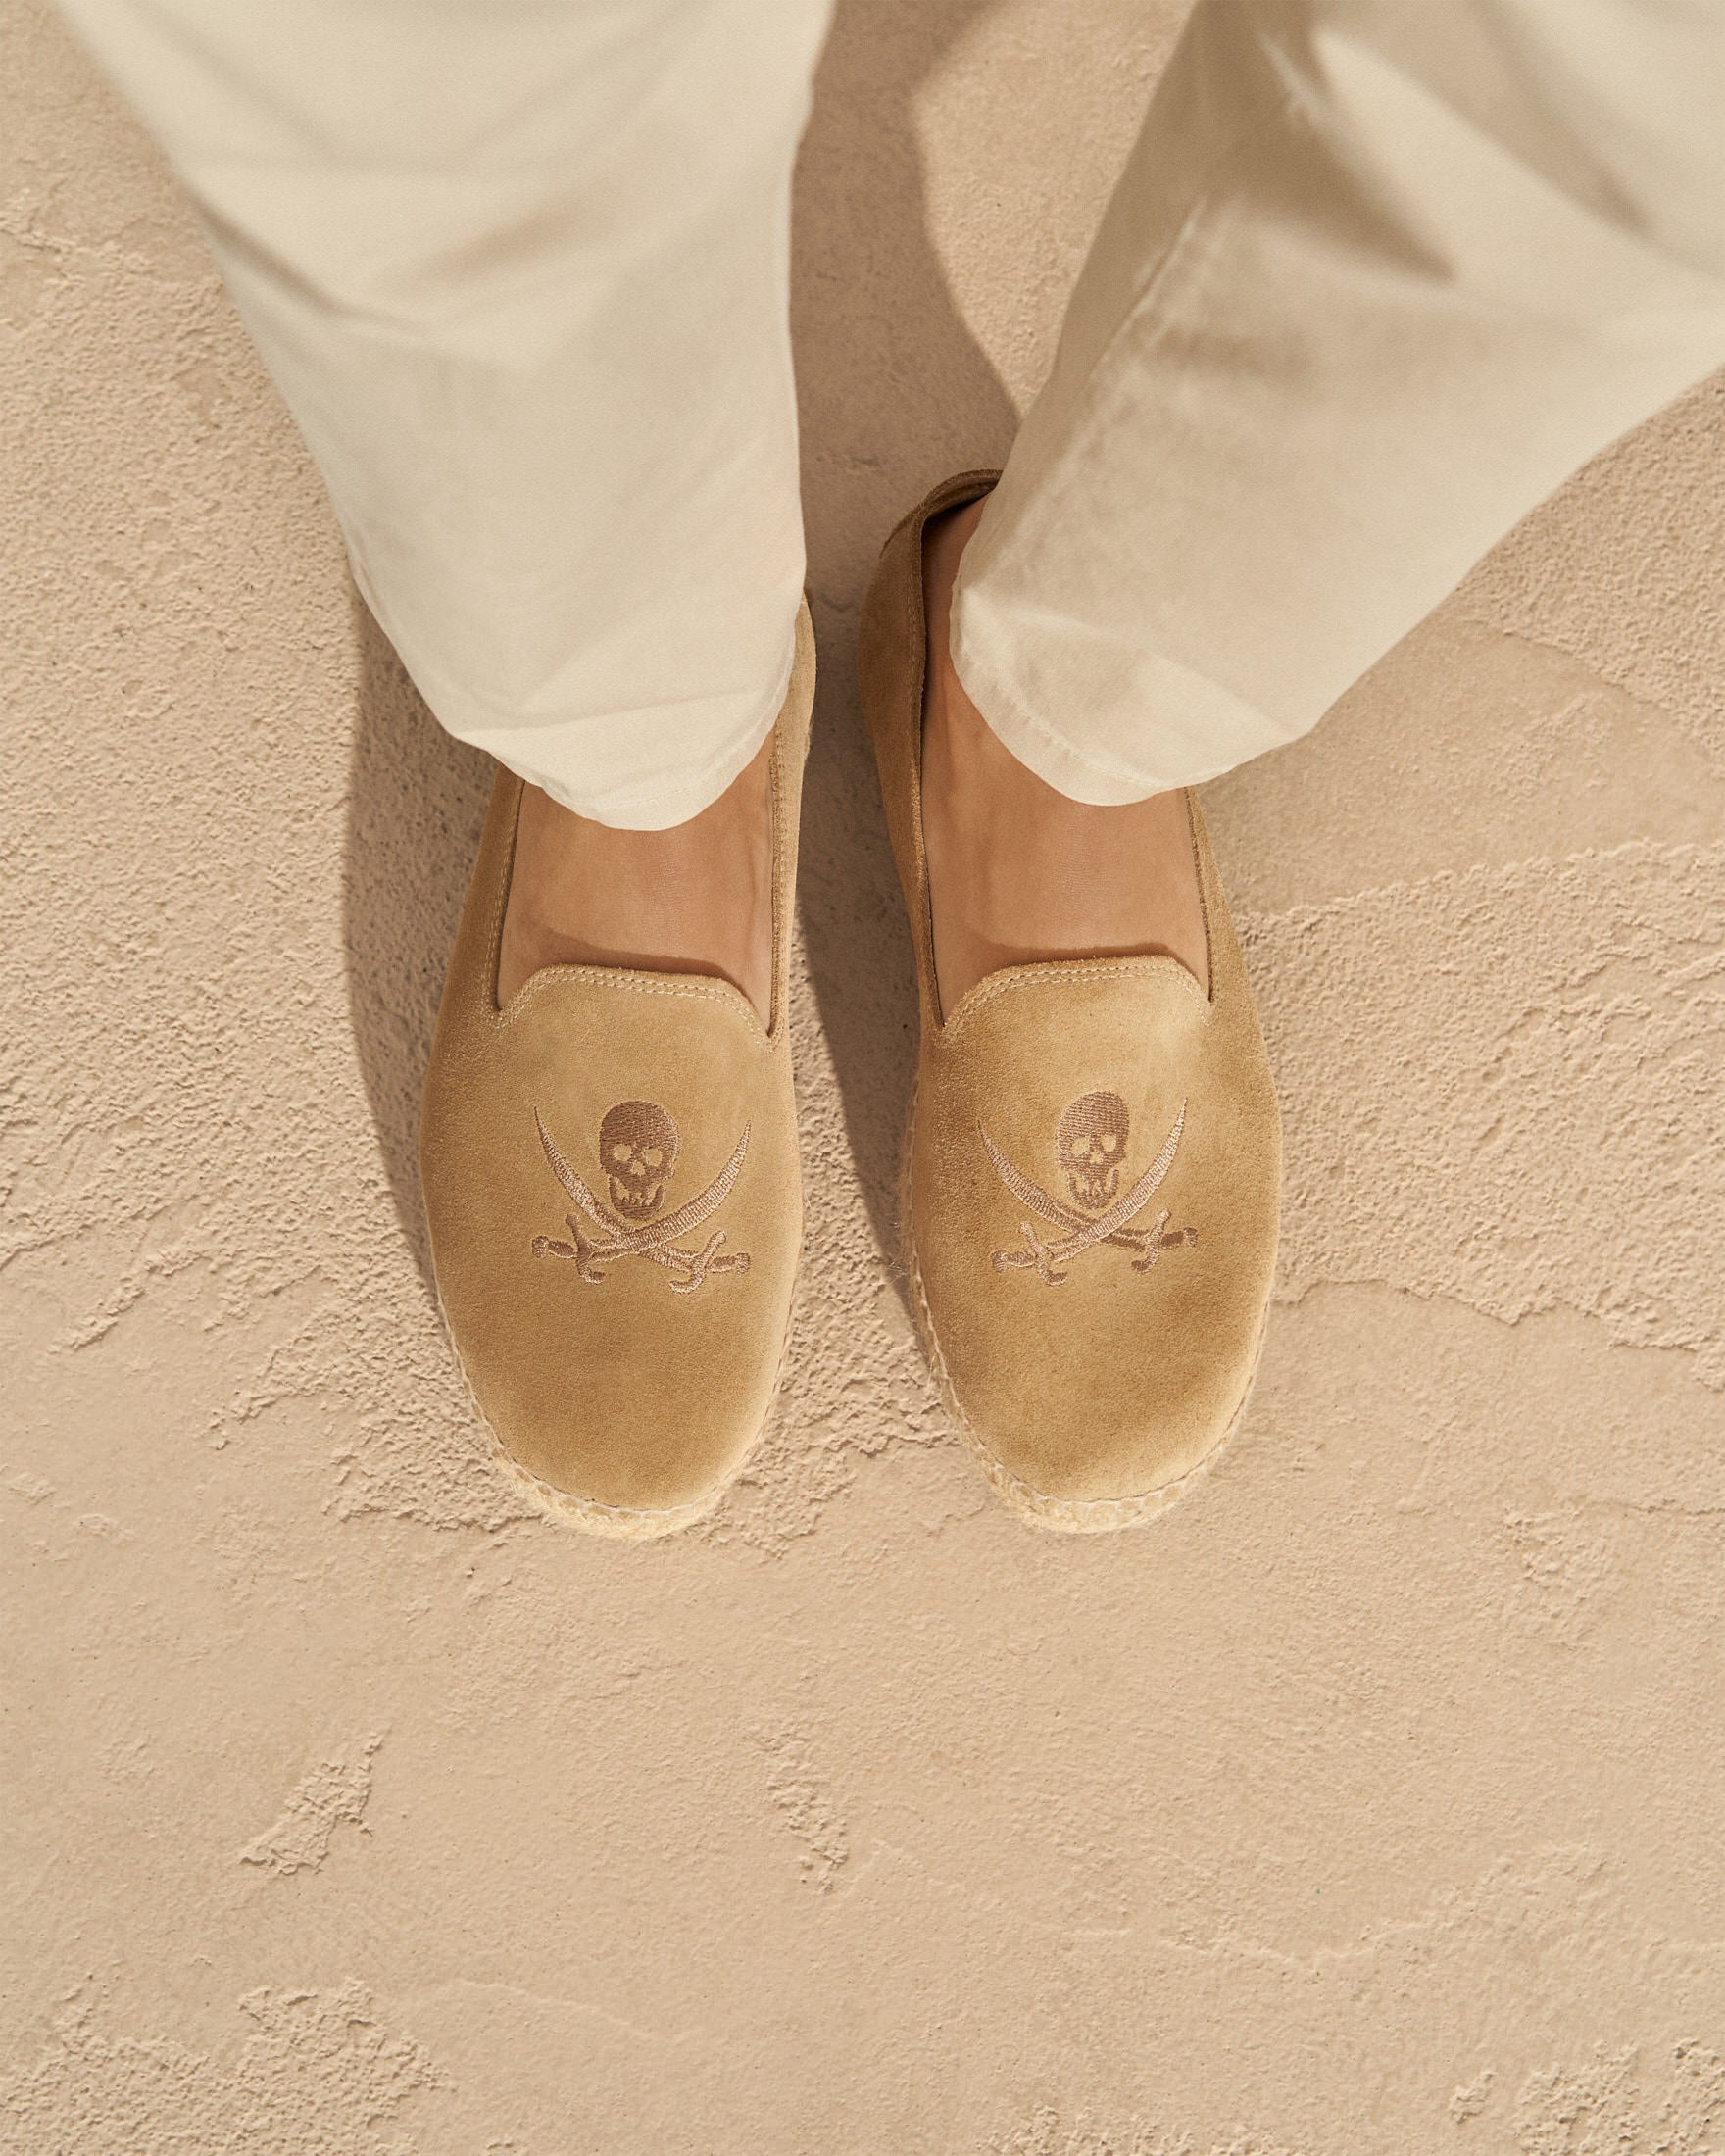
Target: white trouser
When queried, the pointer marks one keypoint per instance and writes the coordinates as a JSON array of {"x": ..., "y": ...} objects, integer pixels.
[{"x": 1378, "y": 275}]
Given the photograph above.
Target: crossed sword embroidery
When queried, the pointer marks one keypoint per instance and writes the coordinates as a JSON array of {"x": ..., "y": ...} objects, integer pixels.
[
  {"x": 656, "y": 1240},
  {"x": 1083, "y": 1232}
]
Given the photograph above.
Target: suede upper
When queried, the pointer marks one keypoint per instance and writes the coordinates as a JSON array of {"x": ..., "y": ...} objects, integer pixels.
[
  {"x": 611, "y": 1177},
  {"x": 1093, "y": 1170}
]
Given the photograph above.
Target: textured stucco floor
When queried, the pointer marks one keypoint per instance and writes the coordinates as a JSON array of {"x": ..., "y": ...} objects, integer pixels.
[{"x": 1370, "y": 1804}]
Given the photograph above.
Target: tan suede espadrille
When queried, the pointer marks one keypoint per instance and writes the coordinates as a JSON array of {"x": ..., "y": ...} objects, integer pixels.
[
  {"x": 1092, "y": 1171},
  {"x": 611, "y": 1178}
]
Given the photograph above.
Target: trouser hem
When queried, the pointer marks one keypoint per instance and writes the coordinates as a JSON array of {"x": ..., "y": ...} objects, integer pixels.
[
  {"x": 1170, "y": 758},
  {"x": 650, "y": 801}
]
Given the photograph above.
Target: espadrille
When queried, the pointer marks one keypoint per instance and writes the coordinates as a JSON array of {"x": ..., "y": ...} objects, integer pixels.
[
  {"x": 1093, "y": 1166},
  {"x": 610, "y": 1167}
]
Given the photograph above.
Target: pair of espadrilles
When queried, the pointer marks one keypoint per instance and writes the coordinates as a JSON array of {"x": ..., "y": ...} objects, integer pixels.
[{"x": 1092, "y": 1177}]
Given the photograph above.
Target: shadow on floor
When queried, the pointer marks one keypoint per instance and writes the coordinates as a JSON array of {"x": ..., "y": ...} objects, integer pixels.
[
  {"x": 895, "y": 393},
  {"x": 415, "y": 801}
]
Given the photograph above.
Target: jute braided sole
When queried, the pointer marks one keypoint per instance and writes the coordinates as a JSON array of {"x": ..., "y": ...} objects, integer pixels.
[{"x": 1061, "y": 1515}]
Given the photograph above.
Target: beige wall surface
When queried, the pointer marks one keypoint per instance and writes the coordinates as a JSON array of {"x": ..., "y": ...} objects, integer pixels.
[{"x": 1371, "y": 1803}]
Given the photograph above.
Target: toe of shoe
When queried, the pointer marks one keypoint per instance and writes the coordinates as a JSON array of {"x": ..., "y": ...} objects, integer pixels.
[
  {"x": 624, "y": 1445},
  {"x": 1101, "y": 1440}
]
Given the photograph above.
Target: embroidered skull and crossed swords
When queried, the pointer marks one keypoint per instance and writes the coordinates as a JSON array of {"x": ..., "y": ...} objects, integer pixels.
[
  {"x": 638, "y": 1150},
  {"x": 1091, "y": 1143}
]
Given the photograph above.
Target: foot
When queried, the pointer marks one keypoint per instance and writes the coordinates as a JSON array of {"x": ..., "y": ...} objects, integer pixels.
[
  {"x": 1017, "y": 873},
  {"x": 696, "y": 899},
  {"x": 611, "y": 1177}
]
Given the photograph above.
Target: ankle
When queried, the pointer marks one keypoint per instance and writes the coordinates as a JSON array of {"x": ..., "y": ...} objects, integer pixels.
[
  {"x": 1019, "y": 874},
  {"x": 696, "y": 897}
]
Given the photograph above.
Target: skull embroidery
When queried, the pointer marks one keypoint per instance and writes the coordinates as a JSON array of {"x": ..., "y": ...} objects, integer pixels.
[
  {"x": 637, "y": 1148},
  {"x": 1091, "y": 1145}
]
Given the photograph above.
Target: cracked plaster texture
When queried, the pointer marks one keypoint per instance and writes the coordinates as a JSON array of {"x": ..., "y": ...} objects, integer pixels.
[{"x": 1370, "y": 1804}]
